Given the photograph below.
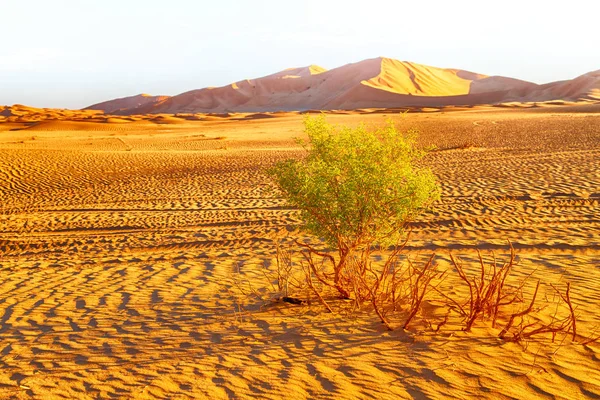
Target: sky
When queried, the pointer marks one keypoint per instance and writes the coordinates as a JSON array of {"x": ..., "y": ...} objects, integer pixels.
[{"x": 74, "y": 53}]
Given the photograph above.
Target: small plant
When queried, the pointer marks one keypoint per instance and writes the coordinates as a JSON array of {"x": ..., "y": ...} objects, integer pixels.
[
  {"x": 525, "y": 330},
  {"x": 490, "y": 293},
  {"x": 420, "y": 285},
  {"x": 384, "y": 280},
  {"x": 487, "y": 290}
]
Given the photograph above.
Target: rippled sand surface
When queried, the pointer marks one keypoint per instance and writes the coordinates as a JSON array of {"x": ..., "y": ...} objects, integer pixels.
[{"x": 121, "y": 242}]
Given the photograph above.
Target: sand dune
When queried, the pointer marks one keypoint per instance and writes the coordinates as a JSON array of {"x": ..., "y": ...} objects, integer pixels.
[
  {"x": 379, "y": 82},
  {"x": 585, "y": 87},
  {"x": 24, "y": 116},
  {"x": 408, "y": 78},
  {"x": 167, "y": 120},
  {"x": 108, "y": 124},
  {"x": 113, "y": 106},
  {"x": 121, "y": 254}
]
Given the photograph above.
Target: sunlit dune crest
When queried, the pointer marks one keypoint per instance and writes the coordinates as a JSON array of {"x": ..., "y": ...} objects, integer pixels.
[{"x": 420, "y": 80}]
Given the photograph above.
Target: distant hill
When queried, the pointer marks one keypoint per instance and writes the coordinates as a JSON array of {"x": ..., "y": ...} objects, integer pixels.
[
  {"x": 377, "y": 82},
  {"x": 584, "y": 87},
  {"x": 126, "y": 103}
]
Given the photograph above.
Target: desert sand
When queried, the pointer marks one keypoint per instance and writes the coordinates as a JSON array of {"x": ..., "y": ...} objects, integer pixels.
[{"x": 125, "y": 241}]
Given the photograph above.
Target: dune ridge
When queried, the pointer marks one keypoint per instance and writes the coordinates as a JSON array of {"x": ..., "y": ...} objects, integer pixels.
[
  {"x": 377, "y": 82},
  {"x": 381, "y": 82},
  {"x": 125, "y": 103}
]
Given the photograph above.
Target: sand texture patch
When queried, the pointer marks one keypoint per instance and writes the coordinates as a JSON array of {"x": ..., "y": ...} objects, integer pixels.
[{"x": 122, "y": 250}]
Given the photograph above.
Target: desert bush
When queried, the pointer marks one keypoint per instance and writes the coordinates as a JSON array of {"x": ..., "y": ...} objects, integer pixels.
[
  {"x": 491, "y": 296},
  {"x": 525, "y": 329},
  {"x": 386, "y": 281},
  {"x": 487, "y": 291},
  {"x": 356, "y": 189},
  {"x": 395, "y": 286}
]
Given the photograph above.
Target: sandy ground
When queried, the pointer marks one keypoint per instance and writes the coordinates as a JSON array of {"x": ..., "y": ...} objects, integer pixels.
[{"x": 121, "y": 241}]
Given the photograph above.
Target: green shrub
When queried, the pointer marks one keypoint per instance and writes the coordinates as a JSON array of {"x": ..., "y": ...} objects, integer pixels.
[{"x": 356, "y": 188}]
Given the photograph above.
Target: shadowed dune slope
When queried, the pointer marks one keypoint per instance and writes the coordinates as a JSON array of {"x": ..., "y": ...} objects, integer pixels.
[{"x": 584, "y": 87}]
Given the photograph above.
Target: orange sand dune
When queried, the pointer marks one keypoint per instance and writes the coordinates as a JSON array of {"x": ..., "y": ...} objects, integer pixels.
[
  {"x": 114, "y": 120},
  {"x": 108, "y": 124},
  {"x": 379, "y": 82},
  {"x": 23, "y": 114},
  {"x": 167, "y": 120}
]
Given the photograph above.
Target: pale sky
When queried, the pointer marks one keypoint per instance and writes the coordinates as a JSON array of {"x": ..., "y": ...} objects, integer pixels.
[{"x": 73, "y": 53}]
